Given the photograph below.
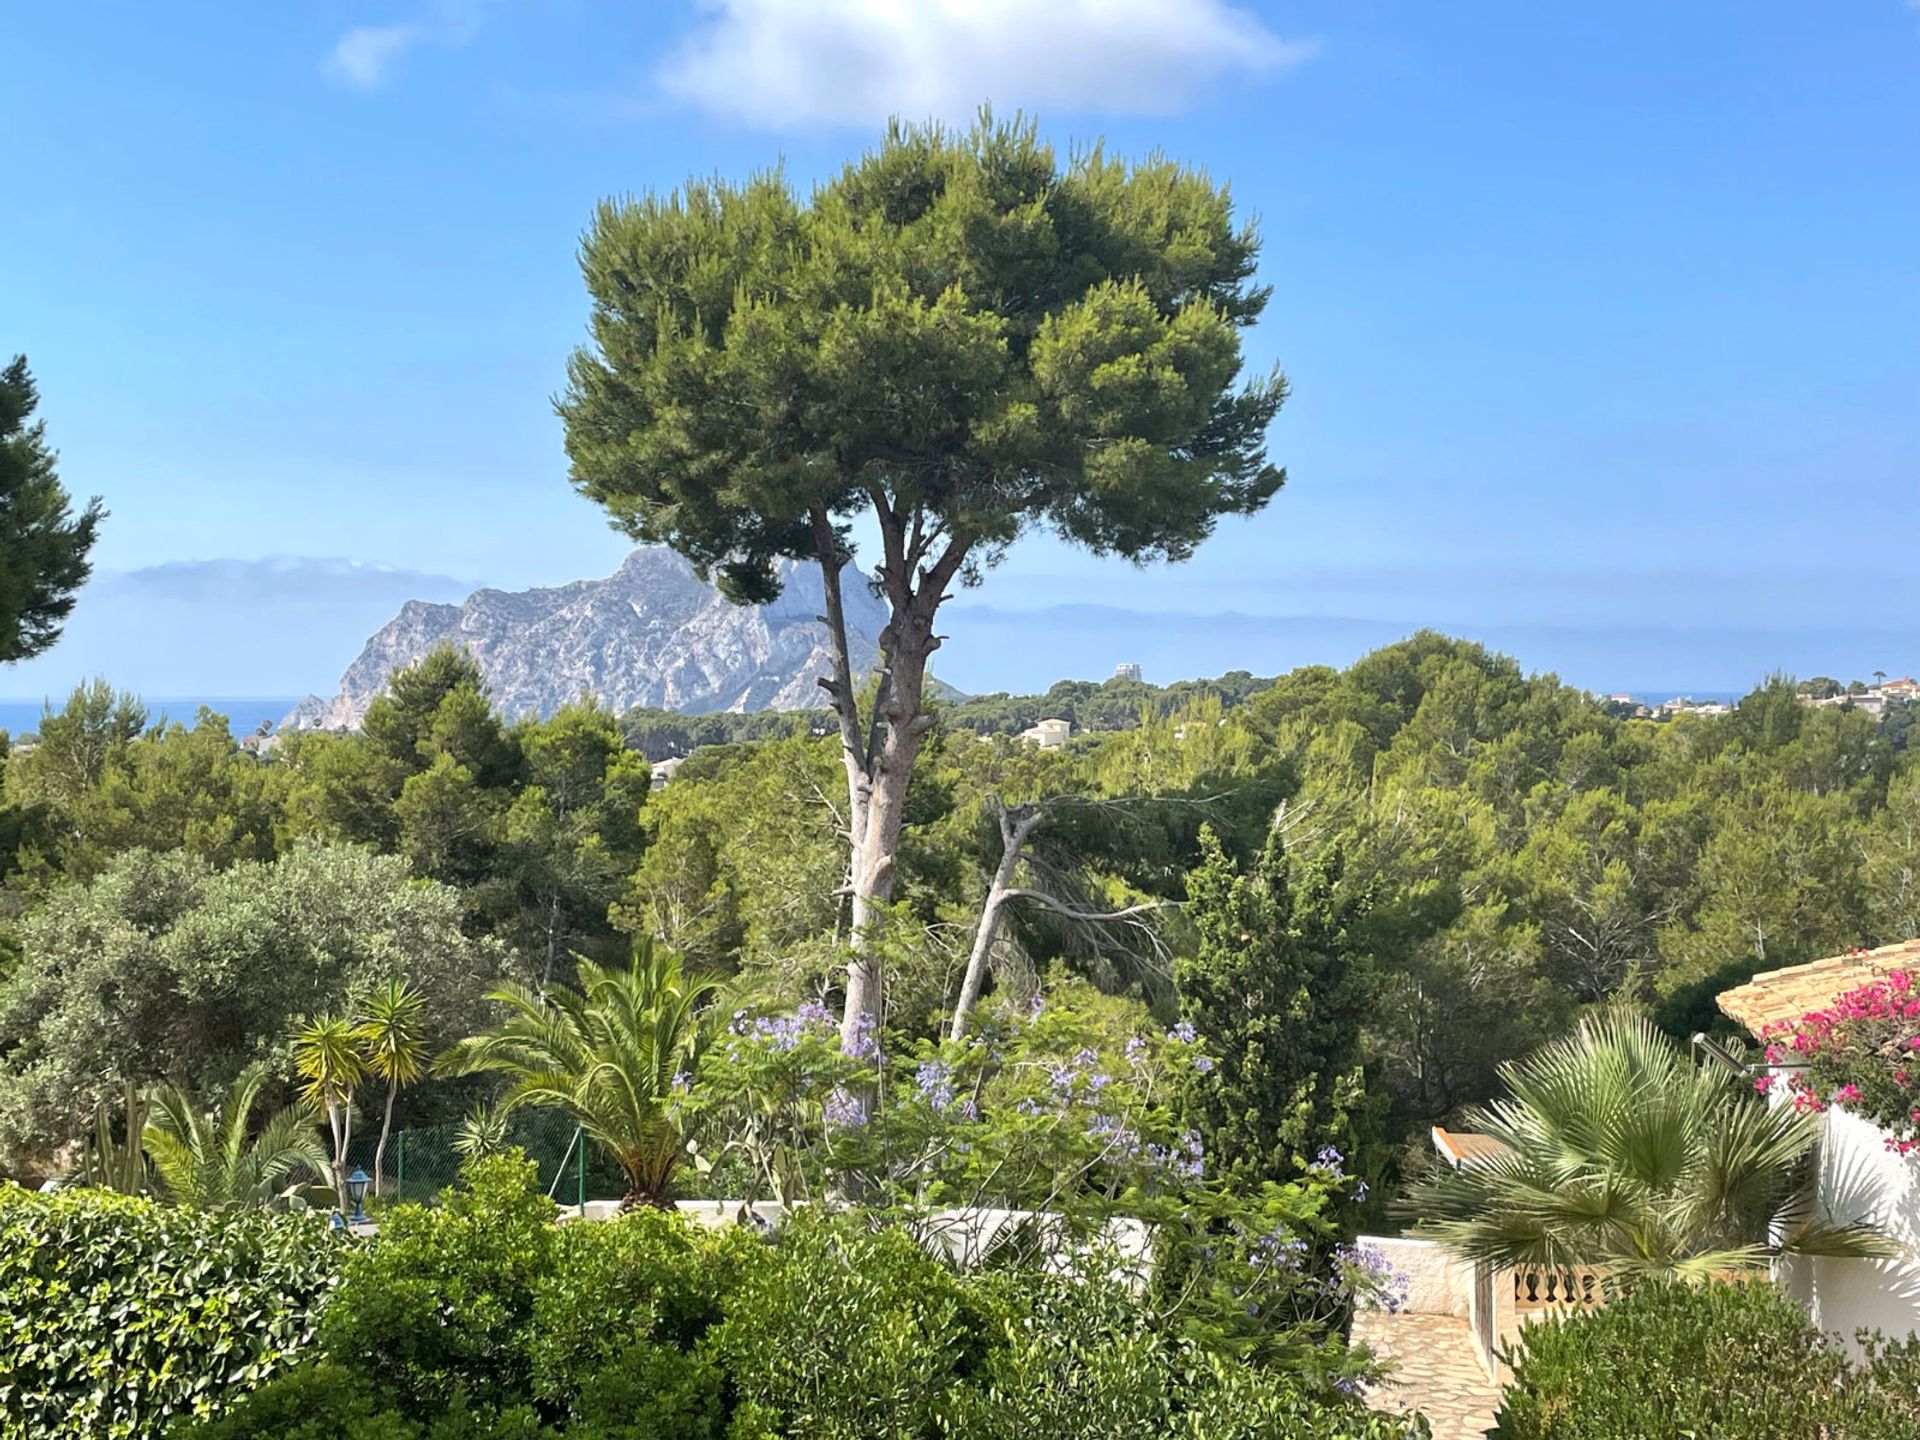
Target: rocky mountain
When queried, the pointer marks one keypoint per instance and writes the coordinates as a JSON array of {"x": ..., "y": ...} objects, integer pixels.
[{"x": 650, "y": 634}]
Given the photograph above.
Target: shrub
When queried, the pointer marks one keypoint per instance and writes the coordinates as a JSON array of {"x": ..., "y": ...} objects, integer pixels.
[
  {"x": 487, "y": 1322},
  {"x": 648, "y": 1281},
  {"x": 122, "y": 1314},
  {"x": 1731, "y": 1361},
  {"x": 844, "y": 1335},
  {"x": 438, "y": 1306}
]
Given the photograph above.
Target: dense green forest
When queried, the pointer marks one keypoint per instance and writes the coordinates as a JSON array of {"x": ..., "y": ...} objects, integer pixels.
[
  {"x": 1115, "y": 704},
  {"x": 1484, "y": 853}
]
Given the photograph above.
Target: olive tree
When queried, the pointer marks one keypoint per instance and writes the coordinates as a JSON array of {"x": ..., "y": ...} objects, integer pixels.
[{"x": 957, "y": 340}]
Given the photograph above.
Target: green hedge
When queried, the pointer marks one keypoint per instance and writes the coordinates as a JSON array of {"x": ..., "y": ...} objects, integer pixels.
[
  {"x": 119, "y": 1314},
  {"x": 1730, "y": 1362},
  {"x": 482, "y": 1319}
]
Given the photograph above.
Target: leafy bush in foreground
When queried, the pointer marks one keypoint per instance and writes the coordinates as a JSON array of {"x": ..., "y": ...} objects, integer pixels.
[
  {"x": 1733, "y": 1362},
  {"x": 484, "y": 1321},
  {"x": 120, "y": 1313}
]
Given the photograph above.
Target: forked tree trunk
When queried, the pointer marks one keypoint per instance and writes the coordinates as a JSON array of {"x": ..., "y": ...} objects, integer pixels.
[
  {"x": 879, "y": 764},
  {"x": 340, "y": 1122}
]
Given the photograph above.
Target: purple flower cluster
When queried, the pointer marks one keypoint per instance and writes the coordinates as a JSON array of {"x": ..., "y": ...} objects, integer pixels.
[
  {"x": 1188, "y": 1159},
  {"x": 1331, "y": 1160},
  {"x": 1185, "y": 1034},
  {"x": 933, "y": 1083},
  {"x": 1278, "y": 1249},
  {"x": 1114, "y": 1137},
  {"x": 862, "y": 1044},
  {"x": 784, "y": 1032},
  {"x": 844, "y": 1111},
  {"x": 1390, "y": 1286}
]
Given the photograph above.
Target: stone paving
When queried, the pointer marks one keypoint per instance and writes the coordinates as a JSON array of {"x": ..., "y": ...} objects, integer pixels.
[{"x": 1435, "y": 1372}]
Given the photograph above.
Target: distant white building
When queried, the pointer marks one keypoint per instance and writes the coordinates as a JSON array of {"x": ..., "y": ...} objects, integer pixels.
[
  {"x": 663, "y": 770},
  {"x": 1127, "y": 670},
  {"x": 1048, "y": 734}
]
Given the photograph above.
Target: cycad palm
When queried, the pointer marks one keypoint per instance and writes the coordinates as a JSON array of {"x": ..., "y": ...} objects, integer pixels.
[
  {"x": 608, "y": 1054},
  {"x": 210, "y": 1159},
  {"x": 1621, "y": 1152}
]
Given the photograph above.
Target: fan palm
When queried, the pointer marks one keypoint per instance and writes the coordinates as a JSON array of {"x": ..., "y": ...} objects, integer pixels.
[
  {"x": 1621, "y": 1152},
  {"x": 211, "y": 1159},
  {"x": 608, "y": 1054},
  {"x": 393, "y": 1036}
]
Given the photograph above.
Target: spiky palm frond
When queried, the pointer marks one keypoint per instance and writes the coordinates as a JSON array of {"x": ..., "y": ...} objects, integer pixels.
[
  {"x": 607, "y": 1054},
  {"x": 1619, "y": 1151},
  {"x": 392, "y": 1032},
  {"x": 211, "y": 1158},
  {"x": 327, "y": 1055}
]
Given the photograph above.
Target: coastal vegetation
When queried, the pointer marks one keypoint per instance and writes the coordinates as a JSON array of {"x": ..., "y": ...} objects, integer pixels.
[{"x": 1048, "y": 1078}]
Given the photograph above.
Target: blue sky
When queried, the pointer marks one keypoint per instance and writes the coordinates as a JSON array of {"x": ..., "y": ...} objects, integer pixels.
[{"x": 1603, "y": 321}]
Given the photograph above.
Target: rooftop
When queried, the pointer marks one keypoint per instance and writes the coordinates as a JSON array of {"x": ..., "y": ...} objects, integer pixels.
[
  {"x": 1783, "y": 996},
  {"x": 1462, "y": 1147}
]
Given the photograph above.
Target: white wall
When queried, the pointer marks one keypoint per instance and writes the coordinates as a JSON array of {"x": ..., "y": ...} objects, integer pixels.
[
  {"x": 1437, "y": 1284},
  {"x": 1860, "y": 1179}
]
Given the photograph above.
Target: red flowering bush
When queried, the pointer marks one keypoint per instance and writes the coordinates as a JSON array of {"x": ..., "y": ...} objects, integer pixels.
[{"x": 1862, "y": 1052}]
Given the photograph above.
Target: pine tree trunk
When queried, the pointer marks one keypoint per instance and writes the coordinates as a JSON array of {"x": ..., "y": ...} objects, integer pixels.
[{"x": 879, "y": 764}]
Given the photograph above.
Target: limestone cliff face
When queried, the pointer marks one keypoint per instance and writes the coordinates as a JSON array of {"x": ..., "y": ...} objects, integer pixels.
[{"x": 650, "y": 634}]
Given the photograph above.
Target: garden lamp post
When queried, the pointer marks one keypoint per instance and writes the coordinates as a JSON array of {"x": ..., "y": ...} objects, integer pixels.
[{"x": 357, "y": 1184}]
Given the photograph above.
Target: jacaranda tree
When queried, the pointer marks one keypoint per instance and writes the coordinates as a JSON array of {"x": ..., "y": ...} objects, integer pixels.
[{"x": 958, "y": 339}]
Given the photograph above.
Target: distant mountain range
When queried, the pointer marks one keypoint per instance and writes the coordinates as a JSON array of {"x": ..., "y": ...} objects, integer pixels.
[{"x": 652, "y": 633}]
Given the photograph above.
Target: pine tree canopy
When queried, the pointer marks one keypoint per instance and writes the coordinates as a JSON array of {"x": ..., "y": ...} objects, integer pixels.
[
  {"x": 956, "y": 332},
  {"x": 43, "y": 544}
]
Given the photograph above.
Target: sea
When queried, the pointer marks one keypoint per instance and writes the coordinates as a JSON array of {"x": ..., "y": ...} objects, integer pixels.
[{"x": 245, "y": 713}]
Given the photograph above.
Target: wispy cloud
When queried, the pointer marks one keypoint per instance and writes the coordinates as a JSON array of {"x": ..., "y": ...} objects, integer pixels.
[
  {"x": 365, "y": 57},
  {"x": 789, "y": 63}
]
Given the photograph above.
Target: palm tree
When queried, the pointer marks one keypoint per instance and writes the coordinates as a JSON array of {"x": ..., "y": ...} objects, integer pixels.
[
  {"x": 607, "y": 1054},
  {"x": 327, "y": 1054},
  {"x": 393, "y": 1035},
  {"x": 1620, "y": 1152},
  {"x": 210, "y": 1160}
]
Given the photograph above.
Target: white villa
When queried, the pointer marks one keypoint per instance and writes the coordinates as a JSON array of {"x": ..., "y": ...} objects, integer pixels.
[{"x": 1858, "y": 1177}]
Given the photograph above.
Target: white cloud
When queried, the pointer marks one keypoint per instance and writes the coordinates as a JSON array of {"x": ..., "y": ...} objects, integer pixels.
[
  {"x": 365, "y": 55},
  {"x": 784, "y": 63}
]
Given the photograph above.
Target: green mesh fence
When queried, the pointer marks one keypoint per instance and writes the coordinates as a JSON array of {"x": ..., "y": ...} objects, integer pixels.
[{"x": 420, "y": 1163}]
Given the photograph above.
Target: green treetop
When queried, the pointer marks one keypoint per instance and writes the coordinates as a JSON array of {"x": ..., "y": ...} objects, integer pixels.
[
  {"x": 1277, "y": 991},
  {"x": 959, "y": 338},
  {"x": 43, "y": 544}
]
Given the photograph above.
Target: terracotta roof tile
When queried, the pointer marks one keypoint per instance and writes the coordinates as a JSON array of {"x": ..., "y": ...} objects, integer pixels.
[
  {"x": 1460, "y": 1147},
  {"x": 1785, "y": 995}
]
